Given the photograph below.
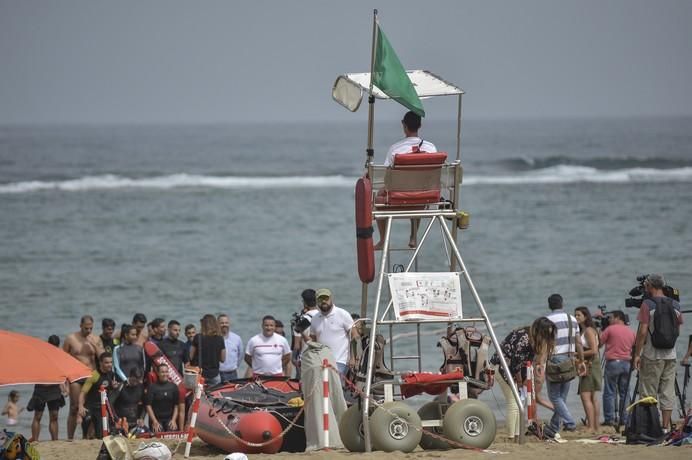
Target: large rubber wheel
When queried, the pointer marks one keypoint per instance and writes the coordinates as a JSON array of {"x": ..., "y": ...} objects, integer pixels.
[
  {"x": 432, "y": 411},
  {"x": 471, "y": 423},
  {"x": 351, "y": 429},
  {"x": 395, "y": 426}
]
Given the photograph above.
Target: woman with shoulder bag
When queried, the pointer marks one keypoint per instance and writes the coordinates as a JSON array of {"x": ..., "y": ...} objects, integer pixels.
[{"x": 528, "y": 343}]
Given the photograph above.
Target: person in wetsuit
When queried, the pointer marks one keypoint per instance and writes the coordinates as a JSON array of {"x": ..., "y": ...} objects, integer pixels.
[
  {"x": 90, "y": 396},
  {"x": 174, "y": 349},
  {"x": 128, "y": 355},
  {"x": 162, "y": 400},
  {"x": 129, "y": 404}
]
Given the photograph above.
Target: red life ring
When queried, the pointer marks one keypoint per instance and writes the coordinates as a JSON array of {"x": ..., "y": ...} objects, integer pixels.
[{"x": 364, "y": 230}]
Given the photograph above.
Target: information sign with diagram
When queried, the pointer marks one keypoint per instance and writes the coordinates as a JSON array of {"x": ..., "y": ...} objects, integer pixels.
[{"x": 426, "y": 296}]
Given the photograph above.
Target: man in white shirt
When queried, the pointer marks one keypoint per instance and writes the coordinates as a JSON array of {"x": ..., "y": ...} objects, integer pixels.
[
  {"x": 268, "y": 353},
  {"x": 333, "y": 326},
  {"x": 412, "y": 143},
  {"x": 234, "y": 349}
]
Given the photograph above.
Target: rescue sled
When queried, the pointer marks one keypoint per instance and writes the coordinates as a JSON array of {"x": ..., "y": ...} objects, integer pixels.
[{"x": 253, "y": 416}]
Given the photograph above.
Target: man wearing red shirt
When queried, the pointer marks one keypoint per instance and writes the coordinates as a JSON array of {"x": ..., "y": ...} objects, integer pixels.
[{"x": 618, "y": 340}]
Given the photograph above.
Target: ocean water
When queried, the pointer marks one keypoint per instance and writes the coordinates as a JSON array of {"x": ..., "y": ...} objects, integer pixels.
[{"x": 179, "y": 221}]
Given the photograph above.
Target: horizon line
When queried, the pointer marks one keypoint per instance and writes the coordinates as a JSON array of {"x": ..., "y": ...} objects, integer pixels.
[{"x": 162, "y": 123}]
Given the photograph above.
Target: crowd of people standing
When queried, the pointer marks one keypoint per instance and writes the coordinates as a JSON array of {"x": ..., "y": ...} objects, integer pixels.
[
  {"x": 561, "y": 337},
  {"x": 139, "y": 389}
]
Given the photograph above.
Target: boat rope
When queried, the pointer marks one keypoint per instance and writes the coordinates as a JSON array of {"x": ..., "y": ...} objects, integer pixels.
[
  {"x": 291, "y": 423},
  {"x": 278, "y": 414}
]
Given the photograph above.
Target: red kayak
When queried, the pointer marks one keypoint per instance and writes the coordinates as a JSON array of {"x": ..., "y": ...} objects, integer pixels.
[{"x": 249, "y": 416}]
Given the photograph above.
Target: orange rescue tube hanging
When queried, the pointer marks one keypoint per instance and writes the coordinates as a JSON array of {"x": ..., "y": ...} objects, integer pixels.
[{"x": 364, "y": 230}]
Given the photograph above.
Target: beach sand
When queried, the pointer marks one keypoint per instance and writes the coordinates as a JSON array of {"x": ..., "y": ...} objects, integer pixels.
[{"x": 533, "y": 449}]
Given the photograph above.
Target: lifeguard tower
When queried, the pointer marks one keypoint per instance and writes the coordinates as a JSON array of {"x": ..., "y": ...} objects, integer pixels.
[{"x": 423, "y": 186}]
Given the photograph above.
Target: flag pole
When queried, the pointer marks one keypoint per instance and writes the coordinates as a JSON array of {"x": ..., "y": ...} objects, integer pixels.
[{"x": 371, "y": 99}]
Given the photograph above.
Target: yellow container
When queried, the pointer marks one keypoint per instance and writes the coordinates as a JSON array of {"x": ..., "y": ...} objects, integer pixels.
[{"x": 463, "y": 220}]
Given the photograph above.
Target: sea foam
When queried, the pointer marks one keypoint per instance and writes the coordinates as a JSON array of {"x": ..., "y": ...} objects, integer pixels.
[{"x": 561, "y": 174}]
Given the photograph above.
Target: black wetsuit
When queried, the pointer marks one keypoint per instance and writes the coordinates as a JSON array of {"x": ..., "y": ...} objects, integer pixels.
[
  {"x": 129, "y": 356},
  {"x": 175, "y": 351},
  {"x": 162, "y": 397},
  {"x": 92, "y": 399},
  {"x": 108, "y": 344},
  {"x": 130, "y": 403}
]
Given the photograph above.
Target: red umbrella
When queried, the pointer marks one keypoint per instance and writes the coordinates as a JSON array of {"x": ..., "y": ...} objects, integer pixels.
[{"x": 28, "y": 360}]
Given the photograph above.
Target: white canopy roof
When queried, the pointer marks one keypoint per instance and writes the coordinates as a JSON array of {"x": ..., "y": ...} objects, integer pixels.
[{"x": 425, "y": 83}]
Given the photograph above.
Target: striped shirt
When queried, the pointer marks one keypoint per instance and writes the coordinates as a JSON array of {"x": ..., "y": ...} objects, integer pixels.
[{"x": 564, "y": 343}]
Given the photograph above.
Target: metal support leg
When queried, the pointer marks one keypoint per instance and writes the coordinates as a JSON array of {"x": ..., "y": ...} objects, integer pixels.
[
  {"x": 496, "y": 343},
  {"x": 373, "y": 334}
]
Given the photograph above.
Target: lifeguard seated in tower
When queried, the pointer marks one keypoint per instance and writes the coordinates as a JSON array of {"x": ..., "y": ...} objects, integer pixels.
[{"x": 418, "y": 152}]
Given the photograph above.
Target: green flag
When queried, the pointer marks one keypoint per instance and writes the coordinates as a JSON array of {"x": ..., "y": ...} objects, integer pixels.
[{"x": 390, "y": 76}]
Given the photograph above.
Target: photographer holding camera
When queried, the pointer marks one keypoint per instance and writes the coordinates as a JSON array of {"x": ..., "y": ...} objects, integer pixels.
[
  {"x": 300, "y": 325},
  {"x": 618, "y": 340},
  {"x": 654, "y": 355}
]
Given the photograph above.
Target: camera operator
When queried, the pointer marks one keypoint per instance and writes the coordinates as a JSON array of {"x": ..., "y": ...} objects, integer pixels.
[
  {"x": 656, "y": 365},
  {"x": 618, "y": 340},
  {"x": 300, "y": 331}
]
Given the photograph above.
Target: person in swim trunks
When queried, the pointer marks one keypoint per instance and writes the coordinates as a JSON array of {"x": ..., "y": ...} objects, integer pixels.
[
  {"x": 86, "y": 347},
  {"x": 47, "y": 395}
]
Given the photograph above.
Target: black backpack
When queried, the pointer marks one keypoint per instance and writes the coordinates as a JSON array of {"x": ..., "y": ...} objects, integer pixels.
[
  {"x": 644, "y": 425},
  {"x": 666, "y": 327}
]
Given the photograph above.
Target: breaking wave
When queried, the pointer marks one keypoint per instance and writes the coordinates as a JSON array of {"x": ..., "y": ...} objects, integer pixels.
[
  {"x": 560, "y": 174},
  {"x": 564, "y": 174},
  {"x": 113, "y": 182},
  {"x": 527, "y": 163}
]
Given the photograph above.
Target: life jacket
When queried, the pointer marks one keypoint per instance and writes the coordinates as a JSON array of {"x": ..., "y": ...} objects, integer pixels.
[
  {"x": 467, "y": 349},
  {"x": 380, "y": 371}
]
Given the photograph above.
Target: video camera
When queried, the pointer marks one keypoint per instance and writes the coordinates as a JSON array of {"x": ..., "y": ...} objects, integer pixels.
[
  {"x": 638, "y": 293},
  {"x": 603, "y": 321},
  {"x": 300, "y": 322}
]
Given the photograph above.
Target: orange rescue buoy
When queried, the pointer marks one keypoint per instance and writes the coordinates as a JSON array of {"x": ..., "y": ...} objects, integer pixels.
[{"x": 364, "y": 230}]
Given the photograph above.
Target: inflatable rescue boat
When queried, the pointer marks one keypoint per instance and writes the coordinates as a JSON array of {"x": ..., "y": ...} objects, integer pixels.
[{"x": 253, "y": 416}]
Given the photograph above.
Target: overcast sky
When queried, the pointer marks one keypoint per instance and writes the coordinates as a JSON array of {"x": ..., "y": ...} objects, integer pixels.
[{"x": 226, "y": 61}]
